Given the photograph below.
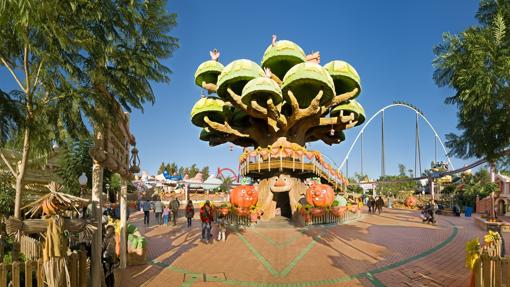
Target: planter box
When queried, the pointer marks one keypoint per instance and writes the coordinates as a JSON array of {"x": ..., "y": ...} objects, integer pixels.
[
  {"x": 486, "y": 225},
  {"x": 135, "y": 259}
]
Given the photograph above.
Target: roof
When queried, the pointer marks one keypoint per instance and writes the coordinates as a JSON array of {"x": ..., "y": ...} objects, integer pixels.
[{"x": 503, "y": 178}]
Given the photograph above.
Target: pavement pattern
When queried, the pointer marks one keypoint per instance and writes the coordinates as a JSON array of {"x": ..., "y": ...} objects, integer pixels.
[{"x": 391, "y": 249}]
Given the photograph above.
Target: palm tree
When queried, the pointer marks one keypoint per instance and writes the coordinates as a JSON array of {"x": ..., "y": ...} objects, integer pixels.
[
  {"x": 78, "y": 62},
  {"x": 475, "y": 63},
  {"x": 226, "y": 184}
]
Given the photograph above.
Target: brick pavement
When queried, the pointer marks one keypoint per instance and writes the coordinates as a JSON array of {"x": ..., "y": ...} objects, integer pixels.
[{"x": 393, "y": 249}]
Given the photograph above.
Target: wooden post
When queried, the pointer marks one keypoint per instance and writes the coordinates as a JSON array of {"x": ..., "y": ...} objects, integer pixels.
[
  {"x": 40, "y": 273},
  {"x": 123, "y": 223},
  {"x": 497, "y": 271},
  {"x": 73, "y": 270},
  {"x": 28, "y": 273},
  {"x": 431, "y": 188},
  {"x": 83, "y": 270},
  {"x": 15, "y": 274},
  {"x": 3, "y": 275},
  {"x": 97, "y": 213}
]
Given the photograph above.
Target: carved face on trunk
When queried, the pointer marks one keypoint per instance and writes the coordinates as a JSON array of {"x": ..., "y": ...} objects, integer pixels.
[{"x": 281, "y": 183}]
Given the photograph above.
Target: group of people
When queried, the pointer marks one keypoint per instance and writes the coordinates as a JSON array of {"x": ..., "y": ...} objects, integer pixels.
[
  {"x": 165, "y": 213},
  {"x": 428, "y": 213},
  {"x": 207, "y": 218},
  {"x": 375, "y": 205}
]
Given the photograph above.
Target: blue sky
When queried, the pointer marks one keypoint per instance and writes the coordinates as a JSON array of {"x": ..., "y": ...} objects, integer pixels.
[{"x": 388, "y": 42}]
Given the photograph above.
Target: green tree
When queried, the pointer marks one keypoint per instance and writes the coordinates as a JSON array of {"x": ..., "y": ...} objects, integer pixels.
[
  {"x": 193, "y": 170},
  {"x": 226, "y": 184},
  {"x": 205, "y": 172},
  {"x": 7, "y": 193},
  {"x": 476, "y": 64},
  {"x": 161, "y": 168},
  {"x": 9, "y": 116},
  {"x": 475, "y": 185},
  {"x": 173, "y": 168},
  {"x": 401, "y": 170},
  {"x": 74, "y": 160},
  {"x": 75, "y": 61}
]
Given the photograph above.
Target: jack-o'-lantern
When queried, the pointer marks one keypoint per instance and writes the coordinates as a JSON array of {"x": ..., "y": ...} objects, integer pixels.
[
  {"x": 244, "y": 196},
  {"x": 320, "y": 195},
  {"x": 410, "y": 201}
]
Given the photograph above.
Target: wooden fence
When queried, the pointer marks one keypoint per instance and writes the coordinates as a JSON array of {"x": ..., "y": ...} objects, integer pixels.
[
  {"x": 492, "y": 271},
  {"x": 329, "y": 218},
  {"x": 233, "y": 219},
  {"x": 31, "y": 272},
  {"x": 31, "y": 248}
]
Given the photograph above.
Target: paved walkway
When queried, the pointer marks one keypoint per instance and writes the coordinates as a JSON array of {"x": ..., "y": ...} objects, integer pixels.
[{"x": 392, "y": 249}]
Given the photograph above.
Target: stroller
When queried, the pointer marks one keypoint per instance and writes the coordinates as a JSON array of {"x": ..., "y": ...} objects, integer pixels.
[{"x": 427, "y": 214}]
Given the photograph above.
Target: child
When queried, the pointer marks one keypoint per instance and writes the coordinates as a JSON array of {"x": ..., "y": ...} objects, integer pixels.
[
  {"x": 166, "y": 213},
  {"x": 222, "y": 227},
  {"x": 190, "y": 212}
]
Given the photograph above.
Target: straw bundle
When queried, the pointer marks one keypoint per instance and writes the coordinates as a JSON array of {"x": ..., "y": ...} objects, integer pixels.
[
  {"x": 31, "y": 226},
  {"x": 54, "y": 202}
]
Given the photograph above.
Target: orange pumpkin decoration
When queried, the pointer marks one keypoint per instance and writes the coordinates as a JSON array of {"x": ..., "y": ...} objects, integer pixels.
[
  {"x": 410, "y": 201},
  {"x": 320, "y": 195},
  {"x": 338, "y": 210},
  {"x": 244, "y": 196}
]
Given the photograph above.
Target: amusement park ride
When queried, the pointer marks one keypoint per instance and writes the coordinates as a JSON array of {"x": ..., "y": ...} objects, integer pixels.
[{"x": 273, "y": 110}]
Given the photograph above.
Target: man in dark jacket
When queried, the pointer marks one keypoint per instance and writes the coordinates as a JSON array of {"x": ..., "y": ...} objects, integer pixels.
[
  {"x": 206, "y": 216},
  {"x": 379, "y": 203},
  {"x": 174, "y": 207},
  {"x": 371, "y": 205}
]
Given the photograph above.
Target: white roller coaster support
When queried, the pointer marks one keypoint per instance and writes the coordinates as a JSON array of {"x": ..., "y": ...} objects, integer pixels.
[{"x": 382, "y": 110}]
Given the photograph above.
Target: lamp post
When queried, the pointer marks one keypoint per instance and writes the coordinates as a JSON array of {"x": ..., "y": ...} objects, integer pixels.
[
  {"x": 493, "y": 211},
  {"x": 83, "y": 183}
]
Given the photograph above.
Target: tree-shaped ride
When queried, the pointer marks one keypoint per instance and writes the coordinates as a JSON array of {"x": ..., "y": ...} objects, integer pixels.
[{"x": 276, "y": 108}]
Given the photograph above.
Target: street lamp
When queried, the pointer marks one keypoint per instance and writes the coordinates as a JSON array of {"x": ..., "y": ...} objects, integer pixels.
[{"x": 83, "y": 182}]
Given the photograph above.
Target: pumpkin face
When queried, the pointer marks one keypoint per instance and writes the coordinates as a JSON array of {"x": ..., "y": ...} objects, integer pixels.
[
  {"x": 244, "y": 196},
  {"x": 410, "y": 201},
  {"x": 320, "y": 195}
]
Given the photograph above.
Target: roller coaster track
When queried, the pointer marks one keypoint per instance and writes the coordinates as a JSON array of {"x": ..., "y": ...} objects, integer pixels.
[
  {"x": 404, "y": 105},
  {"x": 438, "y": 174}
]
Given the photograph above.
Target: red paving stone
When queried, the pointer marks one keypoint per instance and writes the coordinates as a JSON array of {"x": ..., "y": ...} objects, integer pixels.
[{"x": 291, "y": 256}]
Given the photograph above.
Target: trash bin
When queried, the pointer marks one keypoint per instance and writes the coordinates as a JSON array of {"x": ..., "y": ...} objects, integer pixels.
[{"x": 467, "y": 211}]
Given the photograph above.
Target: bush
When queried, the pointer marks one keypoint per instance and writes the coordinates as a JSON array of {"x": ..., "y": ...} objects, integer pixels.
[{"x": 7, "y": 193}]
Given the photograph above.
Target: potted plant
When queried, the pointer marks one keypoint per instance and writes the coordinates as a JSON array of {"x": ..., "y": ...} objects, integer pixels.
[
  {"x": 254, "y": 213},
  {"x": 305, "y": 212},
  {"x": 241, "y": 211},
  {"x": 317, "y": 211},
  {"x": 336, "y": 209},
  {"x": 224, "y": 208}
]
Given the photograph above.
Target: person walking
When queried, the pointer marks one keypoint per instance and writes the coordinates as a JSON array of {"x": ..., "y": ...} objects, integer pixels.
[
  {"x": 158, "y": 210},
  {"x": 174, "y": 206},
  {"x": 222, "y": 228},
  {"x": 190, "y": 212},
  {"x": 379, "y": 203},
  {"x": 166, "y": 214},
  {"x": 109, "y": 256},
  {"x": 371, "y": 205},
  {"x": 206, "y": 216},
  {"x": 146, "y": 207}
]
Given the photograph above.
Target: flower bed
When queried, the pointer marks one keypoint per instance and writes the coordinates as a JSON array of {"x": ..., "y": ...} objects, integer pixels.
[{"x": 329, "y": 215}]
